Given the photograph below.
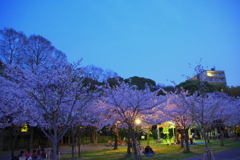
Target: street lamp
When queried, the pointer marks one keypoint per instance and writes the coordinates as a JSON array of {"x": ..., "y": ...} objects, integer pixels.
[{"x": 138, "y": 122}]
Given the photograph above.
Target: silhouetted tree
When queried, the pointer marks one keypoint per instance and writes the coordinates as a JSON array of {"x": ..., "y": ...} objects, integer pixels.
[
  {"x": 12, "y": 45},
  {"x": 141, "y": 82}
]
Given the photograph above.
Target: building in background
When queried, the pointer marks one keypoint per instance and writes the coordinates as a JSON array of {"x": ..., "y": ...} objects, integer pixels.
[{"x": 212, "y": 76}]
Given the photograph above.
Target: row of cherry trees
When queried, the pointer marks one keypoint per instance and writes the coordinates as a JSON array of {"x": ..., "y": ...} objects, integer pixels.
[
  {"x": 56, "y": 98},
  {"x": 203, "y": 111}
]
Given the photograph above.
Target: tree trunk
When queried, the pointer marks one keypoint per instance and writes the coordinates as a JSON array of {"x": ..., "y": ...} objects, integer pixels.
[
  {"x": 148, "y": 133},
  {"x": 204, "y": 137},
  {"x": 94, "y": 136},
  {"x": 181, "y": 139},
  {"x": 31, "y": 137},
  {"x": 54, "y": 151},
  {"x": 177, "y": 137},
  {"x": 186, "y": 140},
  {"x": 235, "y": 133},
  {"x": 208, "y": 137},
  {"x": 229, "y": 132},
  {"x": 116, "y": 136},
  {"x": 79, "y": 145},
  {"x": 69, "y": 140},
  {"x": 55, "y": 144},
  {"x": 15, "y": 134},
  {"x": 73, "y": 145},
  {"x": 129, "y": 141},
  {"x": 137, "y": 157},
  {"x": 55, "y": 141},
  {"x": 1, "y": 138},
  {"x": 222, "y": 138},
  {"x": 216, "y": 132}
]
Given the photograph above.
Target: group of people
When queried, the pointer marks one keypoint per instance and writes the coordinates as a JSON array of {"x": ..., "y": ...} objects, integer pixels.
[
  {"x": 191, "y": 137},
  {"x": 37, "y": 154}
]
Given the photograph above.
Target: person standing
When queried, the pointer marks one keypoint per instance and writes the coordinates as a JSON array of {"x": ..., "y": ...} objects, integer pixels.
[
  {"x": 191, "y": 138},
  {"x": 130, "y": 145}
]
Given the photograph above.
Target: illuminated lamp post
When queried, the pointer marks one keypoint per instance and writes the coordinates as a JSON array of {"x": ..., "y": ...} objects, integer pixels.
[{"x": 138, "y": 122}]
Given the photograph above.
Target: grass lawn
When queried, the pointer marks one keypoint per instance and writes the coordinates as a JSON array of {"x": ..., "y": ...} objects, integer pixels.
[{"x": 163, "y": 151}]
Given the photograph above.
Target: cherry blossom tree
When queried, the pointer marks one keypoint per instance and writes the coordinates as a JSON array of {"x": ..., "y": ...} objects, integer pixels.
[
  {"x": 178, "y": 110},
  {"x": 91, "y": 116},
  {"x": 110, "y": 119},
  {"x": 205, "y": 109},
  {"x": 233, "y": 119},
  {"x": 224, "y": 111},
  {"x": 11, "y": 118},
  {"x": 9, "y": 110},
  {"x": 129, "y": 104},
  {"x": 55, "y": 94}
]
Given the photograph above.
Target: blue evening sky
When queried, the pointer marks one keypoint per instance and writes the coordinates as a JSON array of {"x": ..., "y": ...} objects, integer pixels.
[{"x": 153, "y": 39}]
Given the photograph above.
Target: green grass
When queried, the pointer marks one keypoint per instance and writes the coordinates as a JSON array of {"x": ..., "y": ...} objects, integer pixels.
[{"x": 169, "y": 152}]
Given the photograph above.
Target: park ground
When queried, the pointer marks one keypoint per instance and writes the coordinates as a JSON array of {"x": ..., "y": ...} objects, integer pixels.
[{"x": 163, "y": 151}]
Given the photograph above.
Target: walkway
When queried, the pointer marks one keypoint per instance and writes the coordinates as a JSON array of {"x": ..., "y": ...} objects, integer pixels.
[{"x": 230, "y": 154}]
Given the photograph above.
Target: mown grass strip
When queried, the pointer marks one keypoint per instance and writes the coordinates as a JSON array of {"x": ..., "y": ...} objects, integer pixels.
[{"x": 164, "y": 151}]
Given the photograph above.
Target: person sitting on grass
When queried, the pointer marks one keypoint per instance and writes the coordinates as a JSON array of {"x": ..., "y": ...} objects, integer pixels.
[
  {"x": 21, "y": 154},
  {"x": 148, "y": 151},
  {"x": 170, "y": 143},
  {"x": 43, "y": 154},
  {"x": 27, "y": 153},
  {"x": 34, "y": 155}
]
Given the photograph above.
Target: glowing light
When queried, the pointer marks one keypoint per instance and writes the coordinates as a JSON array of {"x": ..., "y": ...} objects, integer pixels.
[
  {"x": 209, "y": 74},
  {"x": 24, "y": 128},
  {"x": 138, "y": 121}
]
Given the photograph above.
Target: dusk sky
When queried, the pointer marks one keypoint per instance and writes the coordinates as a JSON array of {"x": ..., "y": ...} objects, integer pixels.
[{"x": 154, "y": 39}]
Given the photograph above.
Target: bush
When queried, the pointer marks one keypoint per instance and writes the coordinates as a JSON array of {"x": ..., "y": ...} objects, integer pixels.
[
  {"x": 151, "y": 138},
  {"x": 104, "y": 139}
]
